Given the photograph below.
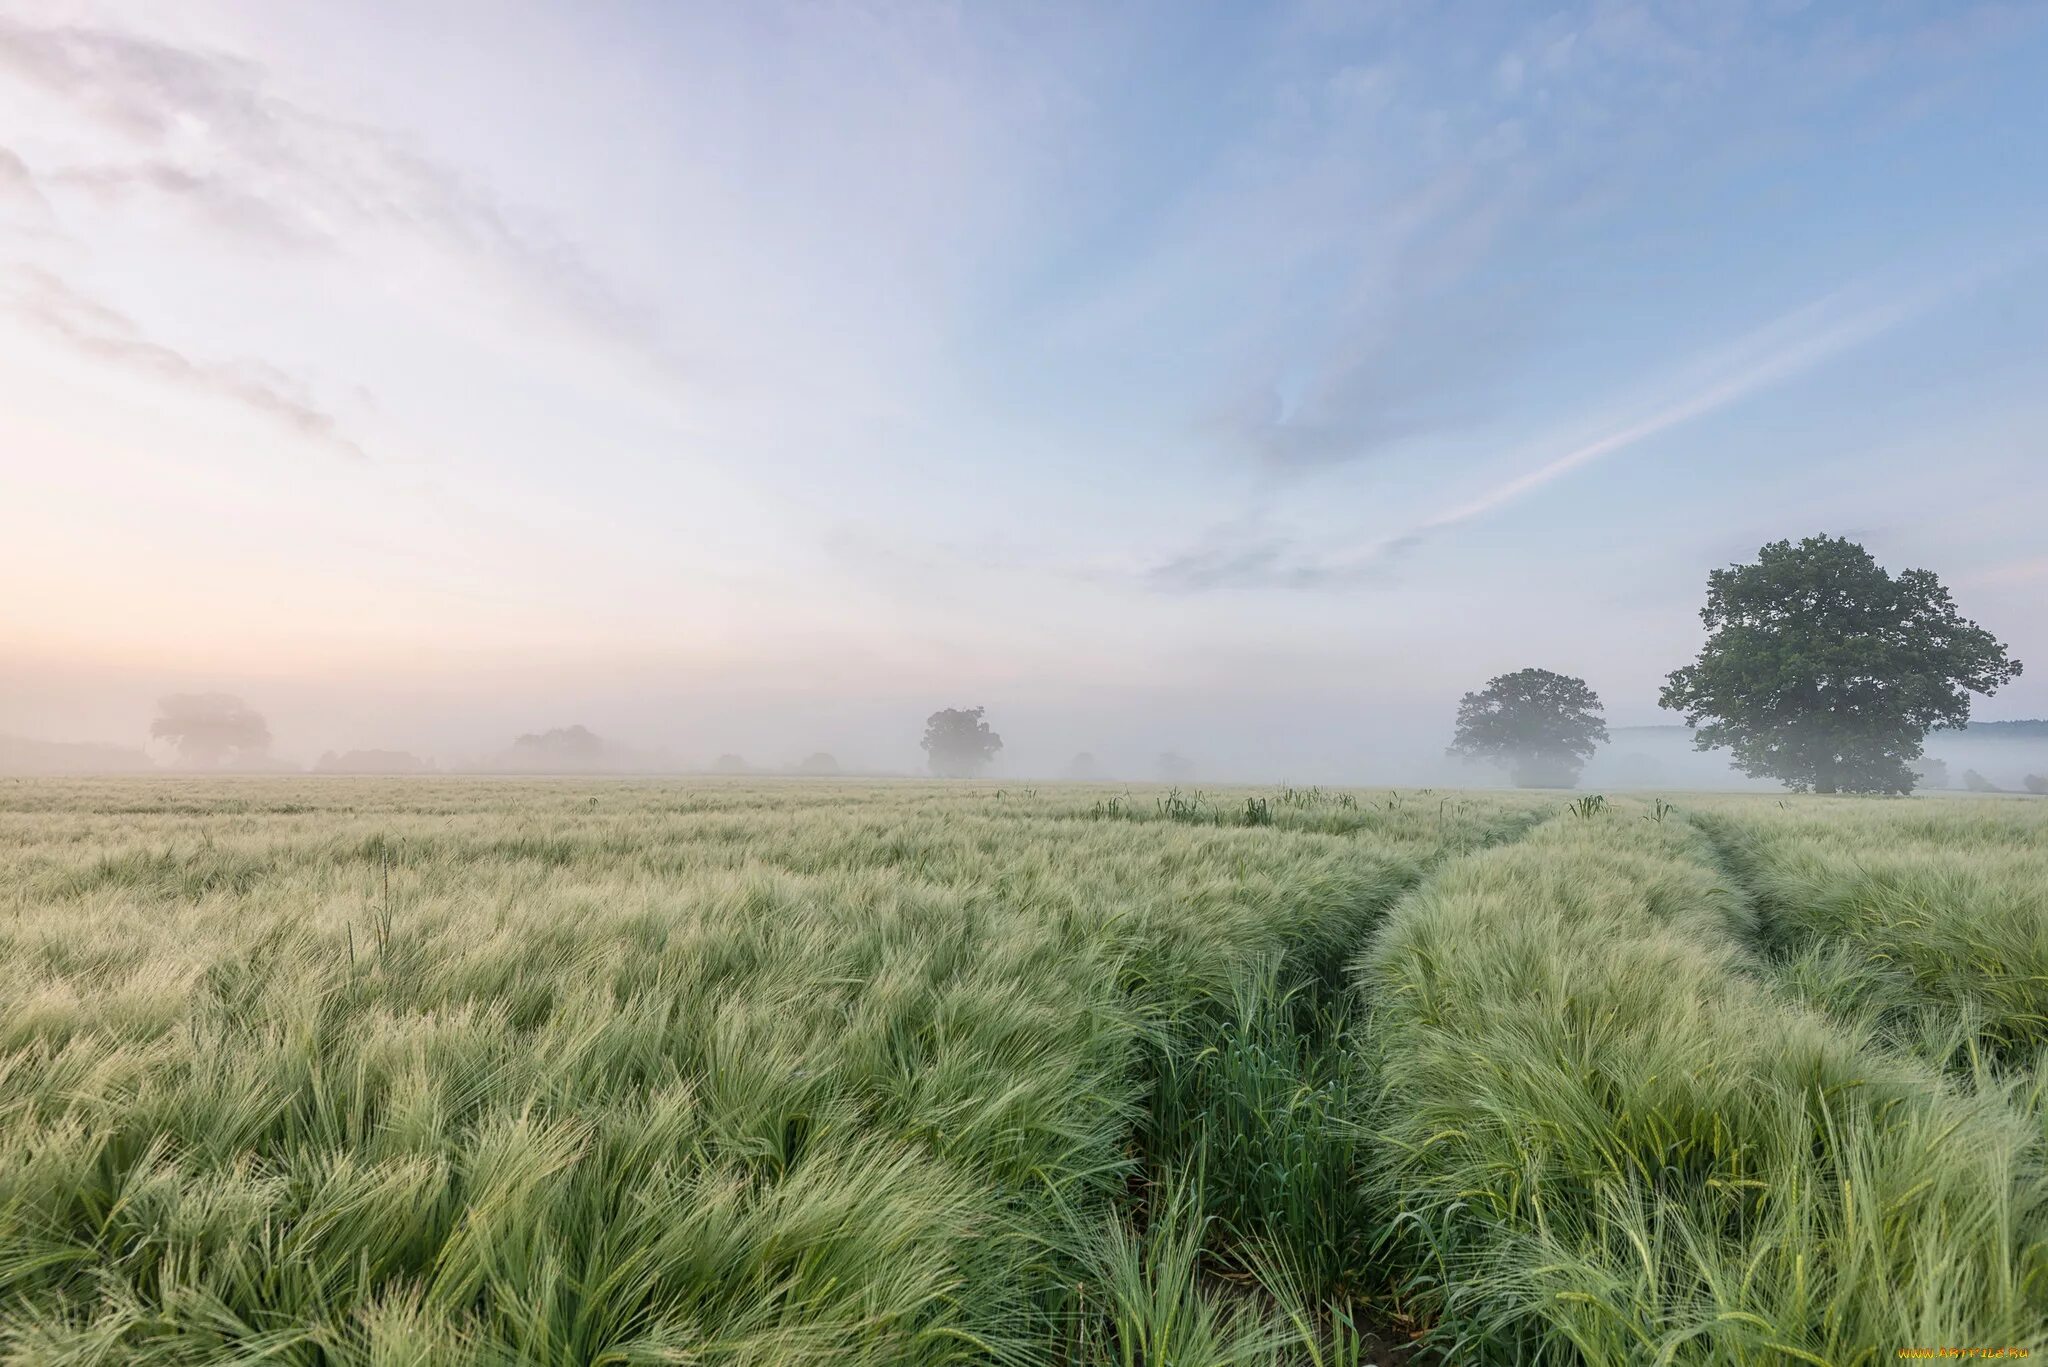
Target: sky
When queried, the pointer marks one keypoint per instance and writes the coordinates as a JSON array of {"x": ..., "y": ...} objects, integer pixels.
[{"x": 1246, "y": 381}]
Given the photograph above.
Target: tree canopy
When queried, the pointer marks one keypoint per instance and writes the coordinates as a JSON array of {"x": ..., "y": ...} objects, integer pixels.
[
  {"x": 958, "y": 743},
  {"x": 1541, "y": 725},
  {"x": 573, "y": 743},
  {"x": 211, "y": 728},
  {"x": 559, "y": 749},
  {"x": 1825, "y": 672}
]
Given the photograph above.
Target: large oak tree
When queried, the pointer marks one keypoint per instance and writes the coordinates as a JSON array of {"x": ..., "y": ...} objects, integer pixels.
[{"x": 1825, "y": 672}]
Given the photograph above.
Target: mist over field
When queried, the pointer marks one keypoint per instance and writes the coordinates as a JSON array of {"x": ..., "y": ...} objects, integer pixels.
[
  {"x": 1253, "y": 736},
  {"x": 1042, "y": 738}
]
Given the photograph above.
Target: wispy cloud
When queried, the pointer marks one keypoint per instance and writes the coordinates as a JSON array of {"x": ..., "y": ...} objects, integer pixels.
[
  {"x": 204, "y": 130},
  {"x": 1790, "y": 346},
  {"x": 1232, "y": 556},
  {"x": 19, "y": 191},
  {"x": 1335, "y": 284},
  {"x": 1432, "y": 366},
  {"x": 1795, "y": 343},
  {"x": 92, "y": 329}
]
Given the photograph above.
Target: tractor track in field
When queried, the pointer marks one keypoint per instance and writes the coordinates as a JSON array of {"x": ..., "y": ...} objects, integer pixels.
[{"x": 1296, "y": 1046}]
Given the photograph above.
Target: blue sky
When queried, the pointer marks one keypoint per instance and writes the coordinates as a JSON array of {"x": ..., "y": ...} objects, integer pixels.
[{"x": 1158, "y": 375}]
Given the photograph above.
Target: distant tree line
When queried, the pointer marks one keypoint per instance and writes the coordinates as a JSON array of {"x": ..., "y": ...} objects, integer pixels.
[{"x": 1820, "y": 670}]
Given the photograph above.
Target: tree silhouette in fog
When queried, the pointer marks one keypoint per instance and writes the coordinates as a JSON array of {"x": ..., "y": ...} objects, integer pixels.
[
  {"x": 958, "y": 743},
  {"x": 1541, "y": 725},
  {"x": 1825, "y": 672},
  {"x": 560, "y": 747},
  {"x": 820, "y": 764},
  {"x": 210, "y": 729}
]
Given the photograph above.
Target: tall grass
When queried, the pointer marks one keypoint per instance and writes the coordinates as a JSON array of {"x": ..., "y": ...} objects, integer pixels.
[
  {"x": 492, "y": 1072},
  {"x": 534, "y": 1072},
  {"x": 1927, "y": 921},
  {"x": 1263, "y": 1098},
  {"x": 1609, "y": 1142}
]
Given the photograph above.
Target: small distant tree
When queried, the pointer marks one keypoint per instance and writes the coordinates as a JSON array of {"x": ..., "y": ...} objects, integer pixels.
[
  {"x": 1931, "y": 772},
  {"x": 958, "y": 743},
  {"x": 819, "y": 765},
  {"x": 1825, "y": 672},
  {"x": 1173, "y": 767},
  {"x": 2036, "y": 784},
  {"x": 729, "y": 764},
  {"x": 1977, "y": 783},
  {"x": 1541, "y": 725},
  {"x": 1082, "y": 768},
  {"x": 209, "y": 729}
]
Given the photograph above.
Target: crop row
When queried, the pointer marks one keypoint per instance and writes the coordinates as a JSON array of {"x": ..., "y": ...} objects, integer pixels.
[{"x": 1610, "y": 1137}]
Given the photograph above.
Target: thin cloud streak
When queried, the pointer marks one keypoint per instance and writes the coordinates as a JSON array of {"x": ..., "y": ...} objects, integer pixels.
[
  {"x": 1789, "y": 346},
  {"x": 1801, "y": 355},
  {"x": 18, "y": 185},
  {"x": 277, "y": 172},
  {"x": 93, "y": 330}
]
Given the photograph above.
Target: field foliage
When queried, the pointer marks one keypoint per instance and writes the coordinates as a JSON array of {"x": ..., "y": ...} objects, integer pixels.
[{"x": 467, "y": 1071}]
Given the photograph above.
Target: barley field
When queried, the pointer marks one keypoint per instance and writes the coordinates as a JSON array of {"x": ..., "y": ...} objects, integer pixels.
[{"x": 424, "y": 1071}]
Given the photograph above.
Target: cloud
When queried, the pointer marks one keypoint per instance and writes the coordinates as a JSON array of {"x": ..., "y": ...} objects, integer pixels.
[
  {"x": 1796, "y": 342},
  {"x": 1226, "y": 558},
  {"x": 1319, "y": 279},
  {"x": 204, "y": 130},
  {"x": 1799, "y": 341},
  {"x": 216, "y": 198},
  {"x": 18, "y": 187},
  {"x": 1336, "y": 276},
  {"x": 1433, "y": 367},
  {"x": 1237, "y": 559},
  {"x": 92, "y": 329},
  {"x": 1350, "y": 253}
]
